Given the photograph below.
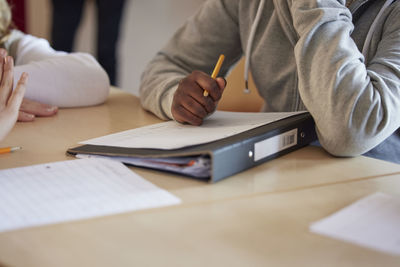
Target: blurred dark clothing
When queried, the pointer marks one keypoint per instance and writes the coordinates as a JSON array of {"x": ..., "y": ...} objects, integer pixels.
[
  {"x": 18, "y": 13},
  {"x": 66, "y": 18}
]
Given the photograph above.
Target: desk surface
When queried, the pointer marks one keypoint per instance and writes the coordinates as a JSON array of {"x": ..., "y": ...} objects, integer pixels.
[{"x": 256, "y": 217}]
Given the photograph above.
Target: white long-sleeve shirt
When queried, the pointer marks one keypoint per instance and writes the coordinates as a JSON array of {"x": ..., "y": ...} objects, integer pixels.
[{"x": 57, "y": 78}]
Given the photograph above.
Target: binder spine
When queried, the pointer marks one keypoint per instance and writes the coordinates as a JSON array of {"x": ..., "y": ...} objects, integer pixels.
[{"x": 243, "y": 155}]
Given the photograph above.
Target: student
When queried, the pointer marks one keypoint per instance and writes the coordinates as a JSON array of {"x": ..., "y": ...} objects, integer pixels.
[
  {"x": 56, "y": 79},
  {"x": 10, "y": 100},
  {"x": 339, "y": 60}
]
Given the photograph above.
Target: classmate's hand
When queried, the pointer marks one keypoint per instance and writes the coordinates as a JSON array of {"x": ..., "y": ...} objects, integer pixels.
[
  {"x": 189, "y": 104},
  {"x": 31, "y": 109},
  {"x": 10, "y": 100}
]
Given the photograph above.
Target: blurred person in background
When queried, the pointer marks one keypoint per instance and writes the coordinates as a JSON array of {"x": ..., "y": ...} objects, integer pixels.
[{"x": 67, "y": 15}]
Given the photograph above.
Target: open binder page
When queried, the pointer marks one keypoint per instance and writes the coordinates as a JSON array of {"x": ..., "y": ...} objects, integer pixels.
[
  {"x": 72, "y": 190},
  {"x": 194, "y": 166},
  {"x": 172, "y": 135}
]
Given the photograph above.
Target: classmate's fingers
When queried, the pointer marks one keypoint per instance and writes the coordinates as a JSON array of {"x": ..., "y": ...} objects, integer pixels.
[
  {"x": 182, "y": 115},
  {"x": 9, "y": 114},
  {"x": 3, "y": 54},
  {"x": 15, "y": 100},
  {"x": 7, "y": 80},
  {"x": 37, "y": 109},
  {"x": 25, "y": 117}
]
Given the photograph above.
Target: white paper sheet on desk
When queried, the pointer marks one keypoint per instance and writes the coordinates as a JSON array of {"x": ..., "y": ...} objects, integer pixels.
[
  {"x": 373, "y": 222},
  {"x": 172, "y": 135},
  {"x": 71, "y": 190}
]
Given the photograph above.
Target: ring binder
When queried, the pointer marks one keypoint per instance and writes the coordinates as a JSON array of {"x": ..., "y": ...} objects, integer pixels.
[{"x": 232, "y": 154}]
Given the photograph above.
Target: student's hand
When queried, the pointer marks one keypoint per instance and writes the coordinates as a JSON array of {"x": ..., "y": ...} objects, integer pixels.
[
  {"x": 31, "y": 109},
  {"x": 189, "y": 104},
  {"x": 10, "y": 100}
]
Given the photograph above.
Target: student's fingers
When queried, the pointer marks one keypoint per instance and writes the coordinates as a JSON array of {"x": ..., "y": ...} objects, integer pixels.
[
  {"x": 194, "y": 107},
  {"x": 190, "y": 97},
  {"x": 210, "y": 85},
  {"x": 221, "y": 82},
  {"x": 37, "y": 109},
  {"x": 186, "y": 110},
  {"x": 191, "y": 86},
  {"x": 189, "y": 104},
  {"x": 182, "y": 115},
  {"x": 17, "y": 95},
  {"x": 7, "y": 80}
]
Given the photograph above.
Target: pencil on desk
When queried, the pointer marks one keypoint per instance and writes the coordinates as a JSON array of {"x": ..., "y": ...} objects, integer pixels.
[
  {"x": 216, "y": 70},
  {"x": 4, "y": 150}
]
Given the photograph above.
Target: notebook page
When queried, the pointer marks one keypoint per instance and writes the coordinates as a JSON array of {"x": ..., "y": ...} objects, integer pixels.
[{"x": 72, "y": 190}]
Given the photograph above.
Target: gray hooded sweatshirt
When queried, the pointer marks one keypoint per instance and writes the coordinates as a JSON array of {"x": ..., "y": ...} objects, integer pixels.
[{"x": 303, "y": 55}]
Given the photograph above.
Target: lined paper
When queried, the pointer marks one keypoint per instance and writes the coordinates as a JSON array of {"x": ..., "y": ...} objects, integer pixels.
[{"x": 72, "y": 190}]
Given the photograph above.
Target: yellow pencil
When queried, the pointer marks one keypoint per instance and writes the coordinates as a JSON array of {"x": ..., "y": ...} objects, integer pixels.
[
  {"x": 4, "y": 150},
  {"x": 216, "y": 70}
]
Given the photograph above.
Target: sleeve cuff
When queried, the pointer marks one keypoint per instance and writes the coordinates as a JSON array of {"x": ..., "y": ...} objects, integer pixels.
[{"x": 166, "y": 102}]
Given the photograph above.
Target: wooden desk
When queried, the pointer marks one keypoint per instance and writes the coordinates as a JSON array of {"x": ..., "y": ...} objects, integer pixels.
[{"x": 257, "y": 217}]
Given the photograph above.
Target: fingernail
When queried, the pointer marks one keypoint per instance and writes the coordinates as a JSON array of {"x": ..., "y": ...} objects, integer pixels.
[
  {"x": 24, "y": 76},
  {"x": 51, "y": 109},
  {"x": 8, "y": 60}
]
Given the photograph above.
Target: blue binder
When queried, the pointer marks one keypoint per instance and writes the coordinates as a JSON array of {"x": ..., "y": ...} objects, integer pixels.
[{"x": 232, "y": 154}]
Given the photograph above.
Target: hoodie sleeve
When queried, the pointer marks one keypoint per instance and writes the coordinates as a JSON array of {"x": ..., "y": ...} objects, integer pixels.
[
  {"x": 212, "y": 31},
  {"x": 59, "y": 78},
  {"x": 355, "y": 105}
]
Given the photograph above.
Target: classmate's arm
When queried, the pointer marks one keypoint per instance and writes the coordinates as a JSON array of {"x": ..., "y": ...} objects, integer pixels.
[
  {"x": 58, "y": 78},
  {"x": 212, "y": 31},
  {"x": 355, "y": 106}
]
